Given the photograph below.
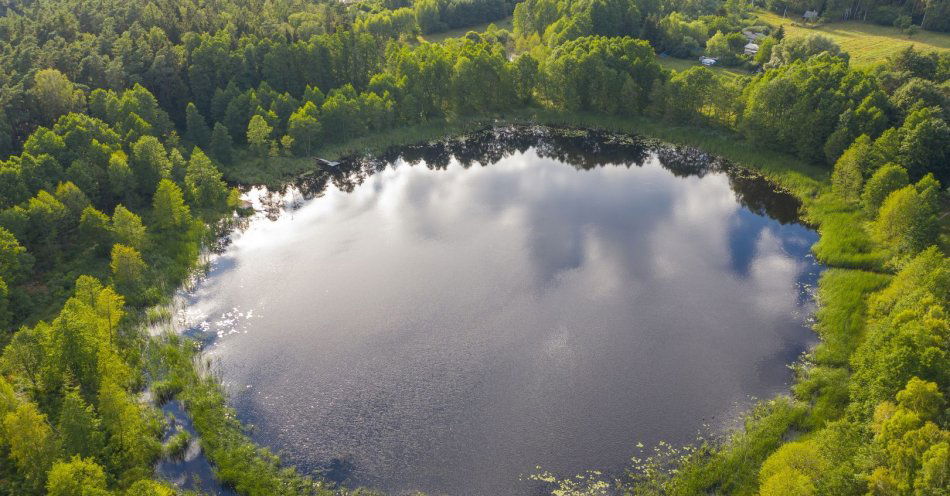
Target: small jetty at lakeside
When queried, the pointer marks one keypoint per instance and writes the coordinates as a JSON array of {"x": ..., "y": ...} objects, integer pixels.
[{"x": 327, "y": 164}]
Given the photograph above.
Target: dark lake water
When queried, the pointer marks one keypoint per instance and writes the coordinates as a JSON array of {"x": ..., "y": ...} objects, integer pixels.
[{"x": 449, "y": 316}]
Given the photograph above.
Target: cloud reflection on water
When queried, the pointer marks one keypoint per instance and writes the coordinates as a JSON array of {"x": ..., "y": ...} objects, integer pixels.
[{"x": 448, "y": 330}]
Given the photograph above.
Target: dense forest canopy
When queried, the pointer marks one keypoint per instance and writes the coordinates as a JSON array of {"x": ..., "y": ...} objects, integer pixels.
[{"x": 117, "y": 119}]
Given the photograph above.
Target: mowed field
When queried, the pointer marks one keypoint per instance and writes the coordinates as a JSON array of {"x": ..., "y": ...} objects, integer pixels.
[
  {"x": 866, "y": 43},
  {"x": 680, "y": 65}
]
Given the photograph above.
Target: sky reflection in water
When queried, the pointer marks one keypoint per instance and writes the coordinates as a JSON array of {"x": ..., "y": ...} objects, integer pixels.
[{"x": 449, "y": 330}]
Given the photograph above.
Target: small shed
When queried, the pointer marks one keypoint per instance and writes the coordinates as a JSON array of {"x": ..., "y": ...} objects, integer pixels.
[
  {"x": 810, "y": 15},
  {"x": 751, "y": 49}
]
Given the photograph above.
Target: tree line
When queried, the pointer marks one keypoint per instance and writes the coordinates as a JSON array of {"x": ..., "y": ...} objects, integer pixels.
[{"x": 933, "y": 15}]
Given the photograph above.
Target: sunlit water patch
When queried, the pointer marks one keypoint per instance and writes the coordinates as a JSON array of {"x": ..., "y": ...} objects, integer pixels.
[{"x": 450, "y": 316}]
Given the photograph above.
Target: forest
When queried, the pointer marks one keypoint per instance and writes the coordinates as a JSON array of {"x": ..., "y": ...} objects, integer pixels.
[{"x": 119, "y": 121}]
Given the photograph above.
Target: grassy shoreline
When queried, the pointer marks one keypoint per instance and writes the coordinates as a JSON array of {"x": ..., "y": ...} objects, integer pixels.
[{"x": 803, "y": 179}]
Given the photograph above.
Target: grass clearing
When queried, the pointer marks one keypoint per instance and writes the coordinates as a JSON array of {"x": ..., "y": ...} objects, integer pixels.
[
  {"x": 681, "y": 65},
  {"x": 505, "y": 23},
  {"x": 866, "y": 43}
]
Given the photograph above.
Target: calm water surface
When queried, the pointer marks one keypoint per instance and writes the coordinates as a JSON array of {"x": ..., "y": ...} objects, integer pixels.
[{"x": 431, "y": 322}]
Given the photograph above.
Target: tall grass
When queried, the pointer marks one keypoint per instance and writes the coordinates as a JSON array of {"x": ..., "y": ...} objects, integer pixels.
[
  {"x": 842, "y": 295},
  {"x": 731, "y": 467},
  {"x": 844, "y": 241},
  {"x": 237, "y": 461}
]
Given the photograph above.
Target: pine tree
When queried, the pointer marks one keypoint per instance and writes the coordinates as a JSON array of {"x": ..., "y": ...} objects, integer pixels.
[
  {"x": 197, "y": 129},
  {"x": 169, "y": 211},
  {"x": 221, "y": 144},
  {"x": 79, "y": 427},
  {"x": 258, "y": 134},
  {"x": 128, "y": 270},
  {"x": 203, "y": 182}
]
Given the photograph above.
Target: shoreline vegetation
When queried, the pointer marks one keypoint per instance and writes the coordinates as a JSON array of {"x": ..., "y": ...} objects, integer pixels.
[
  {"x": 120, "y": 121},
  {"x": 799, "y": 176}
]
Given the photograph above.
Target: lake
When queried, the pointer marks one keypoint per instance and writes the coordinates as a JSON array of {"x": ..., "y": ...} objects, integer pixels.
[{"x": 449, "y": 316}]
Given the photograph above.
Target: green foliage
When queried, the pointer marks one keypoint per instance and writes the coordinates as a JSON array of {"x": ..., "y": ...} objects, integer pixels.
[
  {"x": 32, "y": 443},
  {"x": 788, "y": 481},
  {"x": 922, "y": 398},
  {"x": 197, "y": 130},
  {"x": 128, "y": 229},
  {"x": 304, "y": 127},
  {"x": 169, "y": 212},
  {"x": 726, "y": 48},
  {"x": 221, "y": 144},
  {"x": 176, "y": 446},
  {"x": 55, "y": 95},
  {"x": 128, "y": 271},
  {"x": 258, "y": 134},
  {"x": 907, "y": 221},
  {"x": 525, "y": 77},
  {"x": 94, "y": 227},
  {"x": 203, "y": 183},
  {"x": 4, "y": 304},
  {"x": 847, "y": 176},
  {"x": 690, "y": 92},
  {"x": 906, "y": 334},
  {"x": 120, "y": 178},
  {"x": 798, "y": 106},
  {"x": 390, "y": 23},
  {"x": 15, "y": 262},
  {"x": 79, "y": 428},
  {"x": 886, "y": 180},
  {"x": 925, "y": 147},
  {"x": 731, "y": 468},
  {"x": 802, "y": 48},
  {"x": 766, "y": 46},
  {"x": 132, "y": 438},
  {"x": 23, "y": 356},
  {"x": 433, "y": 16},
  {"x": 612, "y": 75},
  {"x": 795, "y": 466},
  {"x": 909, "y": 445},
  {"x": 77, "y": 477},
  {"x": 150, "y": 163}
]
